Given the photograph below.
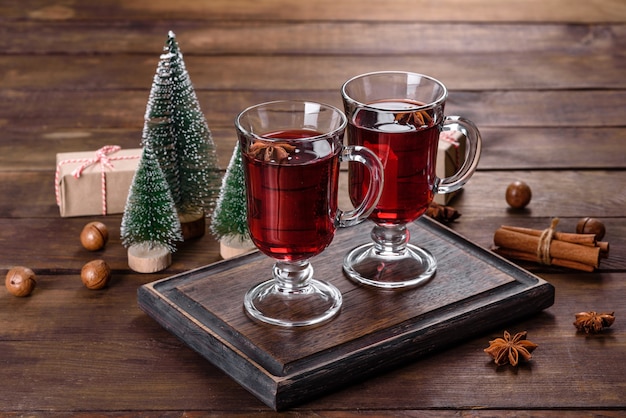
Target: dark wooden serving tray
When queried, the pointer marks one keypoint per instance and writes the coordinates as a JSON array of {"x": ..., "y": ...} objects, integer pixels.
[{"x": 473, "y": 291}]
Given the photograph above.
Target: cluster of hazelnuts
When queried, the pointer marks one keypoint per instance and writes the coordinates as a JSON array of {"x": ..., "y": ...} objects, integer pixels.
[
  {"x": 518, "y": 195},
  {"x": 20, "y": 281}
]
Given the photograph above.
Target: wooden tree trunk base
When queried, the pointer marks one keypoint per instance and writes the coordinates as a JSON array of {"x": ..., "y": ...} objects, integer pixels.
[
  {"x": 233, "y": 246},
  {"x": 143, "y": 259},
  {"x": 193, "y": 225}
]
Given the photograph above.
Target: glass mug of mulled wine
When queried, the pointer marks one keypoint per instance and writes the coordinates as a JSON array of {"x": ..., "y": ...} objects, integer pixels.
[
  {"x": 291, "y": 153},
  {"x": 399, "y": 116}
]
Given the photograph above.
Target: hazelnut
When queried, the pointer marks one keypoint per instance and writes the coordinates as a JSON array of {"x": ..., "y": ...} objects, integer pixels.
[
  {"x": 20, "y": 281},
  {"x": 94, "y": 236},
  {"x": 95, "y": 274},
  {"x": 591, "y": 226},
  {"x": 518, "y": 195}
]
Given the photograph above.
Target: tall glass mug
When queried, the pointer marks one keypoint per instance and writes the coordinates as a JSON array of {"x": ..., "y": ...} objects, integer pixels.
[
  {"x": 291, "y": 152},
  {"x": 399, "y": 116}
]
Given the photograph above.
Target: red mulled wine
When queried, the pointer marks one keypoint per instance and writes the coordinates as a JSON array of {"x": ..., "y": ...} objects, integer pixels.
[
  {"x": 292, "y": 194},
  {"x": 406, "y": 144}
]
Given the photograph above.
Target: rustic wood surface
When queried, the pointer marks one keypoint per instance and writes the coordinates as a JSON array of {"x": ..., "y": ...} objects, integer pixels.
[
  {"x": 543, "y": 80},
  {"x": 472, "y": 292}
]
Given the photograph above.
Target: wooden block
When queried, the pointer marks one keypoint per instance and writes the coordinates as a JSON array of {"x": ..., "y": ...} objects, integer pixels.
[
  {"x": 472, "y": 292},
  {"x": 233, "y": 246},
  {"x": 193, "y": 225},
  {"x": 144, "y": 259}
]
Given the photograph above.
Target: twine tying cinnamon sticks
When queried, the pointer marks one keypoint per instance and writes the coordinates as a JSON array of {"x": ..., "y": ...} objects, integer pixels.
[
  {"x": 543, "y": 248},
  {"x": 549, "y": 247}
]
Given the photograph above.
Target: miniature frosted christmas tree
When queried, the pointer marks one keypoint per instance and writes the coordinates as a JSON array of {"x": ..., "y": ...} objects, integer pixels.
[
  {"x": 230, "y": 224},
  {"x": 177, "y": 131},
  {"x": 150, "y": 224}
]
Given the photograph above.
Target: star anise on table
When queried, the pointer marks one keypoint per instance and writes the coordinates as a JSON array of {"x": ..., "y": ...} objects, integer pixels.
[
  {"x": 592, "y": 322},
  {"x": 509, "y": 350},
  {"x": 442, "y": 213},
  {"x": 268, "y": 151}
]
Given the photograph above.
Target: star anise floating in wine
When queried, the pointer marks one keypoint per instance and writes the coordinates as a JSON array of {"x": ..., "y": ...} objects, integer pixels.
[
  {"x": 510, "y": 350},
  {"x": 271, "y": 151},
  {"x": 418, "y": 118},
  {"x": 592, "y": 322}
]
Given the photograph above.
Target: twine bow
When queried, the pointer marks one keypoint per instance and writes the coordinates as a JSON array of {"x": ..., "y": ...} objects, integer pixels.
[{"x": 102, "y": 157}]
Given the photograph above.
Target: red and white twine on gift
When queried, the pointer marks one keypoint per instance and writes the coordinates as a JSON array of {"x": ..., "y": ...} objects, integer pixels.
[
  {"x": 102, "y": 157},
  {"x": 449, "y": 137}
]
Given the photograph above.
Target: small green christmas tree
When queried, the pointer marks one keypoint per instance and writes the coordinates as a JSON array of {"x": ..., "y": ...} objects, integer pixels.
[
  {"x": 230, "y": 223},
  {"x": 230, "y": 215},
  {"x": 177, "y": 130},
  {"x": 150, "y": 218}
]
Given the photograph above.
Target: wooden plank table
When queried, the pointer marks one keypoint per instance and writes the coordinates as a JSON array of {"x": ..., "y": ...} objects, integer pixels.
[{"x": 543, "y": 80}]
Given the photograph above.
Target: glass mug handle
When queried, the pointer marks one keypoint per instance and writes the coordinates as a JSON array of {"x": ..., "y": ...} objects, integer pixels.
[
  {"x": 360, "y": 154},
  {"x": 472, "y": 155}
]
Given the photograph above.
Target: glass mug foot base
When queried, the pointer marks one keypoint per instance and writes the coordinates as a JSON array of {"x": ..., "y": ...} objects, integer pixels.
[
  {"x": 413, "y": 267},
  {"x": 317, "y": 303}
]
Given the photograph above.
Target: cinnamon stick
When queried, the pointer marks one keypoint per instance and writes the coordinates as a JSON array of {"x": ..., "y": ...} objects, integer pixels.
[
  {"x": 521, "y": 255},
  {"x": 583, "y": 239},
  {"x": 604, "y": 248},
  {"x": 529, "y": 243}
]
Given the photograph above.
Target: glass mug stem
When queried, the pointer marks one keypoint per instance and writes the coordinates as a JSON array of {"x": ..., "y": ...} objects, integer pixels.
[
  {"x": 292, "y": 276},
  {"x": 390, "y": 240}
]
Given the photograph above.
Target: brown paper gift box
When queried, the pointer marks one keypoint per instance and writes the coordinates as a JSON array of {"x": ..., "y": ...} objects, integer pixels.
[
  {"x": 87, "y": 195},
  {"x": 450, "y": 157}
]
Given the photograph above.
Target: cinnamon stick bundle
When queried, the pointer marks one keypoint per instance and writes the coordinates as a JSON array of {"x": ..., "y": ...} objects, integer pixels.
[{"x": 576, "y": 251}]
